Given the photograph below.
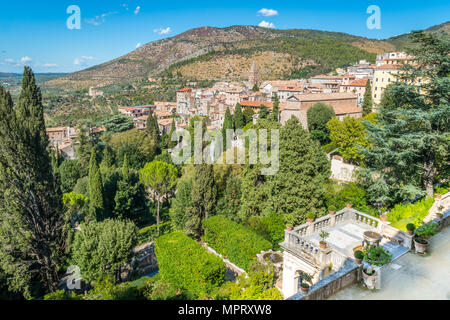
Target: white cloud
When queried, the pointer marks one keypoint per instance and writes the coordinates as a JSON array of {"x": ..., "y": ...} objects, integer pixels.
[
  {"x": 10, "y": 61},
  {"x": 25, "y": 59},
  {"x": 125, "y": 6},
  {"x": 266, "y": 24},
  {"x": 82, "y": 61},
  {"x": 49, "y": 65},
  {"x": 98, "y": 20},
  {"x": 268, "y": 12},
  {"x": 162, "y": 31},
  {"x": 138, "y": 8},
  {"x": 138, "y": 45}
]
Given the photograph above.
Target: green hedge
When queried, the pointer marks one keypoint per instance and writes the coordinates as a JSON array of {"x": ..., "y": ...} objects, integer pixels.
[
  {"x": 185, "y": 264},
  {"x": 233, "y": 240},
  {"x": 149, "y": 233}
]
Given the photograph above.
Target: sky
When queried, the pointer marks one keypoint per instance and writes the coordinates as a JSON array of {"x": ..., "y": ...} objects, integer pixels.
[{"x": 35, "y": 33}]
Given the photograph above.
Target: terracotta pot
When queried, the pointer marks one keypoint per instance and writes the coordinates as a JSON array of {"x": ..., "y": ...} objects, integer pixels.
[
  {"x": 323, "y": 244},
  {"x": 332, "y": 213},
  {"x": 421, "y": 247},
  {"x": 438, "y": 196},
  {"x": 410, "y": 232},
  {"x": 310, "y": 220},
  {"x": 349, "y": 205},
  {"x": 304, "y": 290},
  {"x": 369, "y": 281},
  {"x": 383, "y": 218},
  {"x": 289, "y": 228},
  {"x": 439, "y": 216},
  {"x": 358, "y": 261}
]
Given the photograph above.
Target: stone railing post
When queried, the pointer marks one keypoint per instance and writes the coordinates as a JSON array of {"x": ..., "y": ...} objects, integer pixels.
[
  {"x": 332, "y": 220},
  {"x": 324, "y": 257},
  {"x": 310, "y": 229}
]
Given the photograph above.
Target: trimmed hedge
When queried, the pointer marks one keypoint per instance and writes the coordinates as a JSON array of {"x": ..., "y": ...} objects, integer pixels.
[
  {"x": 149, "y": 233},
  {"x": 185, "y": 264},
  {"x": 231, "y": 239}
]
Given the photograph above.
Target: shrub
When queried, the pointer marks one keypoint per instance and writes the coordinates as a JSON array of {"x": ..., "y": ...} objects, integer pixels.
[
  {"x": 427, "y": 230},
  {"x": 414, "y": 213},
  {"x": 359, "y": 254},
  {"x": 185, "y": 264},
  {"x": 234, "y": 240},
  {"x": 377, "y": 255},
  {"x": 410, "y": 227},
  {"x": 332, "y": 208}
]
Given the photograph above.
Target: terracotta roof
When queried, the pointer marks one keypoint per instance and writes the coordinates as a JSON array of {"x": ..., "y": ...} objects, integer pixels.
[
  {"x": 184, "y": 90},
  {"x": 290, "y": 88},
  {"x": 347, "y": 109},
  {"x": 389, "y": 66},
  {"x": 56, "y": 129},
  {"x": 256, "y": 104},
  {"x": 358, "y": 83},
  {"x": 323, "y": 96},
  {"x": 165, "y": 122}
]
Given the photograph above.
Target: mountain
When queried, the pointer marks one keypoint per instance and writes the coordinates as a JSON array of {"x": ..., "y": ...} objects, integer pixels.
[{"x": 209, "y": 53}]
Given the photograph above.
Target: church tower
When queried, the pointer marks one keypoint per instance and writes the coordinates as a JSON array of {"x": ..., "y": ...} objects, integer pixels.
[{"x": 253, "y": 75}]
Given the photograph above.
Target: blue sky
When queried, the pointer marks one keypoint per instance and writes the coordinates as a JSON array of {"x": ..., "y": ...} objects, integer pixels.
[{"x": 35, "y": 33}]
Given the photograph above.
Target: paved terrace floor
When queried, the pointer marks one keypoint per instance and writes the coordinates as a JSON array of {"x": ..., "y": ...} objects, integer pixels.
[
  {"x": 411, "y": 277},
  {"x": 348, "y": 235}
]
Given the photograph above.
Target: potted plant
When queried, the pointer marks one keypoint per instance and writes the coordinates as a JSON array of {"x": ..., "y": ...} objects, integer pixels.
[
  {"x": 349, "y": 205},
  {"x": 383, "y": 217},
  {"x": 332, "y": 209},
  {"x": 289, "y": 227},
  {"x": 304, "y": 287},
  {"x": 323, "y": 235},
  {"x": 423, "y": 233},
  {"x": 359, "y": 256},
  {"x": 410, "y": 227},
  {"x": 375, "y": 256},
  {"x": 311, "y": 216}
]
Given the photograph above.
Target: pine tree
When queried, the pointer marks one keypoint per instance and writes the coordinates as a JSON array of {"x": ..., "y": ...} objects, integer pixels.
[
  {"x": 31, "y": 215},
  {"x": 96, "y": 193},
  {"x": 368, "y": 102},
  {"x": 238, "y": 117},
  {"x": 204, "y": 194},
  {"x": 227, "y": 124},
  {"x": 412, "y": 131}
]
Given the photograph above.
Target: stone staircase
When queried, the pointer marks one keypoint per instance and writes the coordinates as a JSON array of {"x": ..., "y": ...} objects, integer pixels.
[{"x": 443, "y": 202}]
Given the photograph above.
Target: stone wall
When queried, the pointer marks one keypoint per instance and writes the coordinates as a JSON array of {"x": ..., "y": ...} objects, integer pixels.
[
  {"x": 341, "y": 171},
  {"x": 347, "y": 275}
]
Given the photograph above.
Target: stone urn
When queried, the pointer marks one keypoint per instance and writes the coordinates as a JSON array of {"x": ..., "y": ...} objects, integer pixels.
[
  {"x": 370, "y": 278},
  {"x": 421, "y": 245}
]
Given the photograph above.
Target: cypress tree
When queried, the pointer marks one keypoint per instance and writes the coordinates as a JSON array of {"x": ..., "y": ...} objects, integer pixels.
[
  {"x": 368, "y": 102},
  {"x": 227, "y": 124},
  {"x": 153, "y": 128},
  {"x": 96, "y": 202},
  {"x": 248, "y": 115},
  {"x": 204, "y": 194},
  {"x": 238, "y": 117},
  {"x": 276, "y": 109},
  {"x": 171, "y": 143},
  {"x": 31, "y": 215}
]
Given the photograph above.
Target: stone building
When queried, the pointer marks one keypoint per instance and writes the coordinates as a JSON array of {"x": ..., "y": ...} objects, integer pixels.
[
  {"x": 344, "y": 104},
  {"x": 253, "y": 77}
]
